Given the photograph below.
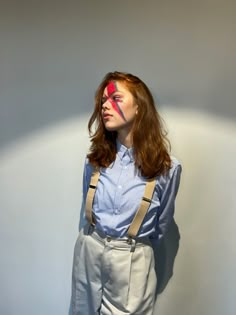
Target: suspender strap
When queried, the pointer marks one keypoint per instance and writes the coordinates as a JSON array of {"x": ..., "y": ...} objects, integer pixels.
[
  {"x": 90, "y": 196},
  {"x": 140, "y": 214}
]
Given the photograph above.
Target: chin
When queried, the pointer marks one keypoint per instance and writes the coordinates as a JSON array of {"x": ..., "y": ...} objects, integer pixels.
[{"x": 110, "y": 128}]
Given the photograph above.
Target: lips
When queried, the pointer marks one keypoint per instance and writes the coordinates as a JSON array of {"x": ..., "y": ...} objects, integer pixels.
[{"x": 106, "y": 116}]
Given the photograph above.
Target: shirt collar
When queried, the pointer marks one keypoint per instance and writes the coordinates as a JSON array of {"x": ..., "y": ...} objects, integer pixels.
[{"x": 122, "y": 150}]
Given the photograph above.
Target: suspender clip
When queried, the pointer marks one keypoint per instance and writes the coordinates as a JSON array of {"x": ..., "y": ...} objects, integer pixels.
[
  {"x": 132, "y": 243},
  {"x": 147, "y": 199},
  {"x": 92, "y": 186}
]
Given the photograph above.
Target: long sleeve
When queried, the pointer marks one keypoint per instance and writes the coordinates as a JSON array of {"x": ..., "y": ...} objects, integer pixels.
[
  {"x": 86, "y": 180},
  {"x": 167, "y": 206}
]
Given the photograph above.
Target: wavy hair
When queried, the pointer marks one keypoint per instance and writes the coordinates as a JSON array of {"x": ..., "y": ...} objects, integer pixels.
[{"x": 150, "y": 143}]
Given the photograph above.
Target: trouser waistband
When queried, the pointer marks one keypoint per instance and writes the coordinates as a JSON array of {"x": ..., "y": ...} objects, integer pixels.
[{"x": 124, "y": 242}]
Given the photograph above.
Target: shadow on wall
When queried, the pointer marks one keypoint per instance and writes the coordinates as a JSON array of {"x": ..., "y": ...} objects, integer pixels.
[{"x": 165, "y": 254}]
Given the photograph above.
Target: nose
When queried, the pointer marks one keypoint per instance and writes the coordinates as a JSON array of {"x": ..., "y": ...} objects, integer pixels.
[{"x": 106, "y": 105}]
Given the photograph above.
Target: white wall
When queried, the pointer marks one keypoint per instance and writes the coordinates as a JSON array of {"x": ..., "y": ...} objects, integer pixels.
[{"x": 53, "y": 55}]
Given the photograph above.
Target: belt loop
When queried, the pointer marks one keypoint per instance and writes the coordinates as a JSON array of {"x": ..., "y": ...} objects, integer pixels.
[{"x": 132, "y": 243}]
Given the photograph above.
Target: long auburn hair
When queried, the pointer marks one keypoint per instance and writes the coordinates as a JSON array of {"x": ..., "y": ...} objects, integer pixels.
[{"x": 150, "y": 144}]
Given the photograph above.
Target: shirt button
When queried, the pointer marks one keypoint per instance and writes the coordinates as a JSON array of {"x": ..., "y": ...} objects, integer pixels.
[{"x": 119, "y": 186}]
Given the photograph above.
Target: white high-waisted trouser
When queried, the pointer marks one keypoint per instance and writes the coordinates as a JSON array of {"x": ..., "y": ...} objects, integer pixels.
[{"x": 112, "y": 276}]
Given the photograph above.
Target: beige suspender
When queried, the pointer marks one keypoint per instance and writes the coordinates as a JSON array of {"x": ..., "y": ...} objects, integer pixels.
[
  {"x": 141, "y": 212},
  {"x": 90, "y": 196}
]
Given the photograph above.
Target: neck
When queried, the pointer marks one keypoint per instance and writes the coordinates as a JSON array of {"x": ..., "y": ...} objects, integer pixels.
[{"x": 125, "y": 139}]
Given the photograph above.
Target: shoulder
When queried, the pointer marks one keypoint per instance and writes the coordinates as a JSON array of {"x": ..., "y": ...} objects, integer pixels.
[
  {"x": 172, "y": 176},
  {"x": 88, "y": 169},
  {"x": 176, "y": 167},
  {"x": 87, "y": 163}
]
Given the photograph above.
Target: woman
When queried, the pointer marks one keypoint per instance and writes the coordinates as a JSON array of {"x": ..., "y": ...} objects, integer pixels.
[{"x": 129, "y": 188}]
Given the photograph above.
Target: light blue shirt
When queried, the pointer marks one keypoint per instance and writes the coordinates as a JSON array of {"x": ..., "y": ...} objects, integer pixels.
[{"x": 119, "y": 192}]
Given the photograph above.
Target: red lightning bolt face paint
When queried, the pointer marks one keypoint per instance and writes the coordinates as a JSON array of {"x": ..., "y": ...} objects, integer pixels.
[{"x": 111, "y": 89}]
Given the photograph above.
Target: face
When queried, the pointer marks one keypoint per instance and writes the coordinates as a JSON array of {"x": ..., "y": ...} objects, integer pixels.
[{"x": 118, "y": 107}]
